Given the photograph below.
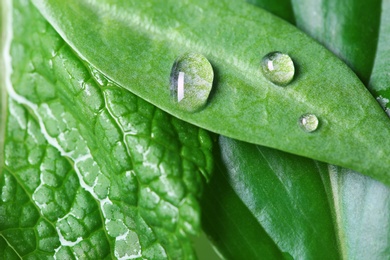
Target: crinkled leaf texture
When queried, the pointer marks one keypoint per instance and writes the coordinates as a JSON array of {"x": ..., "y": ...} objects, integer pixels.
[{"x": 88, "y": 169}]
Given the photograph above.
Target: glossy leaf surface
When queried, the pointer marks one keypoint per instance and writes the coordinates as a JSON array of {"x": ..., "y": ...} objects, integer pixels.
[
  {"x": 338, "y": 25},
  {"x": 380, "y": 80},
  {"x": 293, "y": 205},
  {"x": 359, "y": 206},
  {"x": 280, "y": 8},
  {"x": 244, "y": 104},
  {"x": 284, "y": 197}
]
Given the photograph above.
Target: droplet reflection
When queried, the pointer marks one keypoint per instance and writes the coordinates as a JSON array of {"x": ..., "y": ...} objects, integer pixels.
[
  {"x": 191, "y": 81},
  {"x": 309, "y": 122},
  {"x": 278, "y": 68}
]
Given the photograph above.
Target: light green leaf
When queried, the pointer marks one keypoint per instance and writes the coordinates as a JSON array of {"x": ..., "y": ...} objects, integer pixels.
[
  {"x": 89, "y": 169},
  {"x": 147, "y": 37},
  {"x": 362, "y": 213}
]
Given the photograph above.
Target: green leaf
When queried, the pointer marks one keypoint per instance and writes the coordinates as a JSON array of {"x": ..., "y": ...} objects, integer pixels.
[
  {"x": 362, "y": 213},
  {"x": 282, "y": 205},
  {"x": 273, "y": 202},
  {"x": 280, "y": 8},
  {"x": 362, "y": 204},
  {"x": 380, "y": 80},
  {"x": 89, "y": 169},
  {"x": 358, "y": 205},
  {"x": 347, "y": 28},
  {"x": 146, "y": 38}
]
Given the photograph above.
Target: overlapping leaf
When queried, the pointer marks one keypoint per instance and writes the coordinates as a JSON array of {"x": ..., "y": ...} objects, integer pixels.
[
  {"x": 147, "y": 37},
  {"x": 359, "y": 206},
  {"x": 74, "y": 123}
]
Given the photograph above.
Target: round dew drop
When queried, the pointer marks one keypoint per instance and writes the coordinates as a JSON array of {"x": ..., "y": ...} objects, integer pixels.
[
  {"x": 278, "y": 68},
  {"x": 191, "y": 81},
  {"x": 309, "y": 122}
]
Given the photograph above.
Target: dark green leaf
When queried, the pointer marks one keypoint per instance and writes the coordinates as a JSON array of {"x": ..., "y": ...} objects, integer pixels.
[
  {"x": 347, "y": 28},
  {"x": 380, "y": 80},
  {"x": 135, "y": 44},
  {"x": 280, "y": 8},
  {"x": 276, "y": 198},
  {"x": 360, "y": 206}
]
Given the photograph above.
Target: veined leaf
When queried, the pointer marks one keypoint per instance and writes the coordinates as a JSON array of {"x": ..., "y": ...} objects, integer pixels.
[
  {"x": 146, "y": 38},
  {"x": 89, "y": 169}
]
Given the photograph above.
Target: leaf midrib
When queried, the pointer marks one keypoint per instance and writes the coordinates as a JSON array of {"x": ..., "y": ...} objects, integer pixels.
[{"x": 4, "y": 71}]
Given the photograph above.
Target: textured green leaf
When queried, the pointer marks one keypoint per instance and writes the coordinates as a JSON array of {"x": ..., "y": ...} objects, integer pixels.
[
  {"x": 89, "y": 169},
  {"x": 145, "y": 38}
]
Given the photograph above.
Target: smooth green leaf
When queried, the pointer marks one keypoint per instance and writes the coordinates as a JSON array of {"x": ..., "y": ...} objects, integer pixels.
[
  {"x": 280, "y": 8},
  {"x": 282, "y": 205},
  {"x": 359, "y": 206},
  {"x": 380, "y": 80},
  {"x": 135, "y": 45},
  {"x": 362, "y": 205},
  {"x": 362, "y": 213},
  {"x": 270, "y": 200},
  {"x": 89, "y": 169},
  {"x": 347, "y": 28}
]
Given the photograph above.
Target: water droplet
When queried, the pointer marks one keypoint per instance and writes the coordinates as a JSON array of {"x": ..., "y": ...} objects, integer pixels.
[
  {"x": 278, "y": 68},
  {"x": 191, "y": 81},
  {"x": 309, "y": 122}
]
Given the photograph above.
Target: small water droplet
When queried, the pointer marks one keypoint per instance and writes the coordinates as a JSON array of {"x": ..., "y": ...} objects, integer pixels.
[
  {"x": 191, "y": 81},
  {"x": 309, "y": 122},
  {"x": 278, "y": 68}
]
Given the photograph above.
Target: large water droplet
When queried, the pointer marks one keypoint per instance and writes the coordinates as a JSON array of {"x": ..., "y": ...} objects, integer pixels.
[
  {"x": 309, "y": 122},
  {"x": 191, "y": 81},
  {"x": 278, "y": 68}
]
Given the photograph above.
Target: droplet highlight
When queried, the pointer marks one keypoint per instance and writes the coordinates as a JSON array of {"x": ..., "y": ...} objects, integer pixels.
[
  {"x": 309, "y": 122},
  {"x": 191, "y": 81},
  {"x": 278, "y": 68}
]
